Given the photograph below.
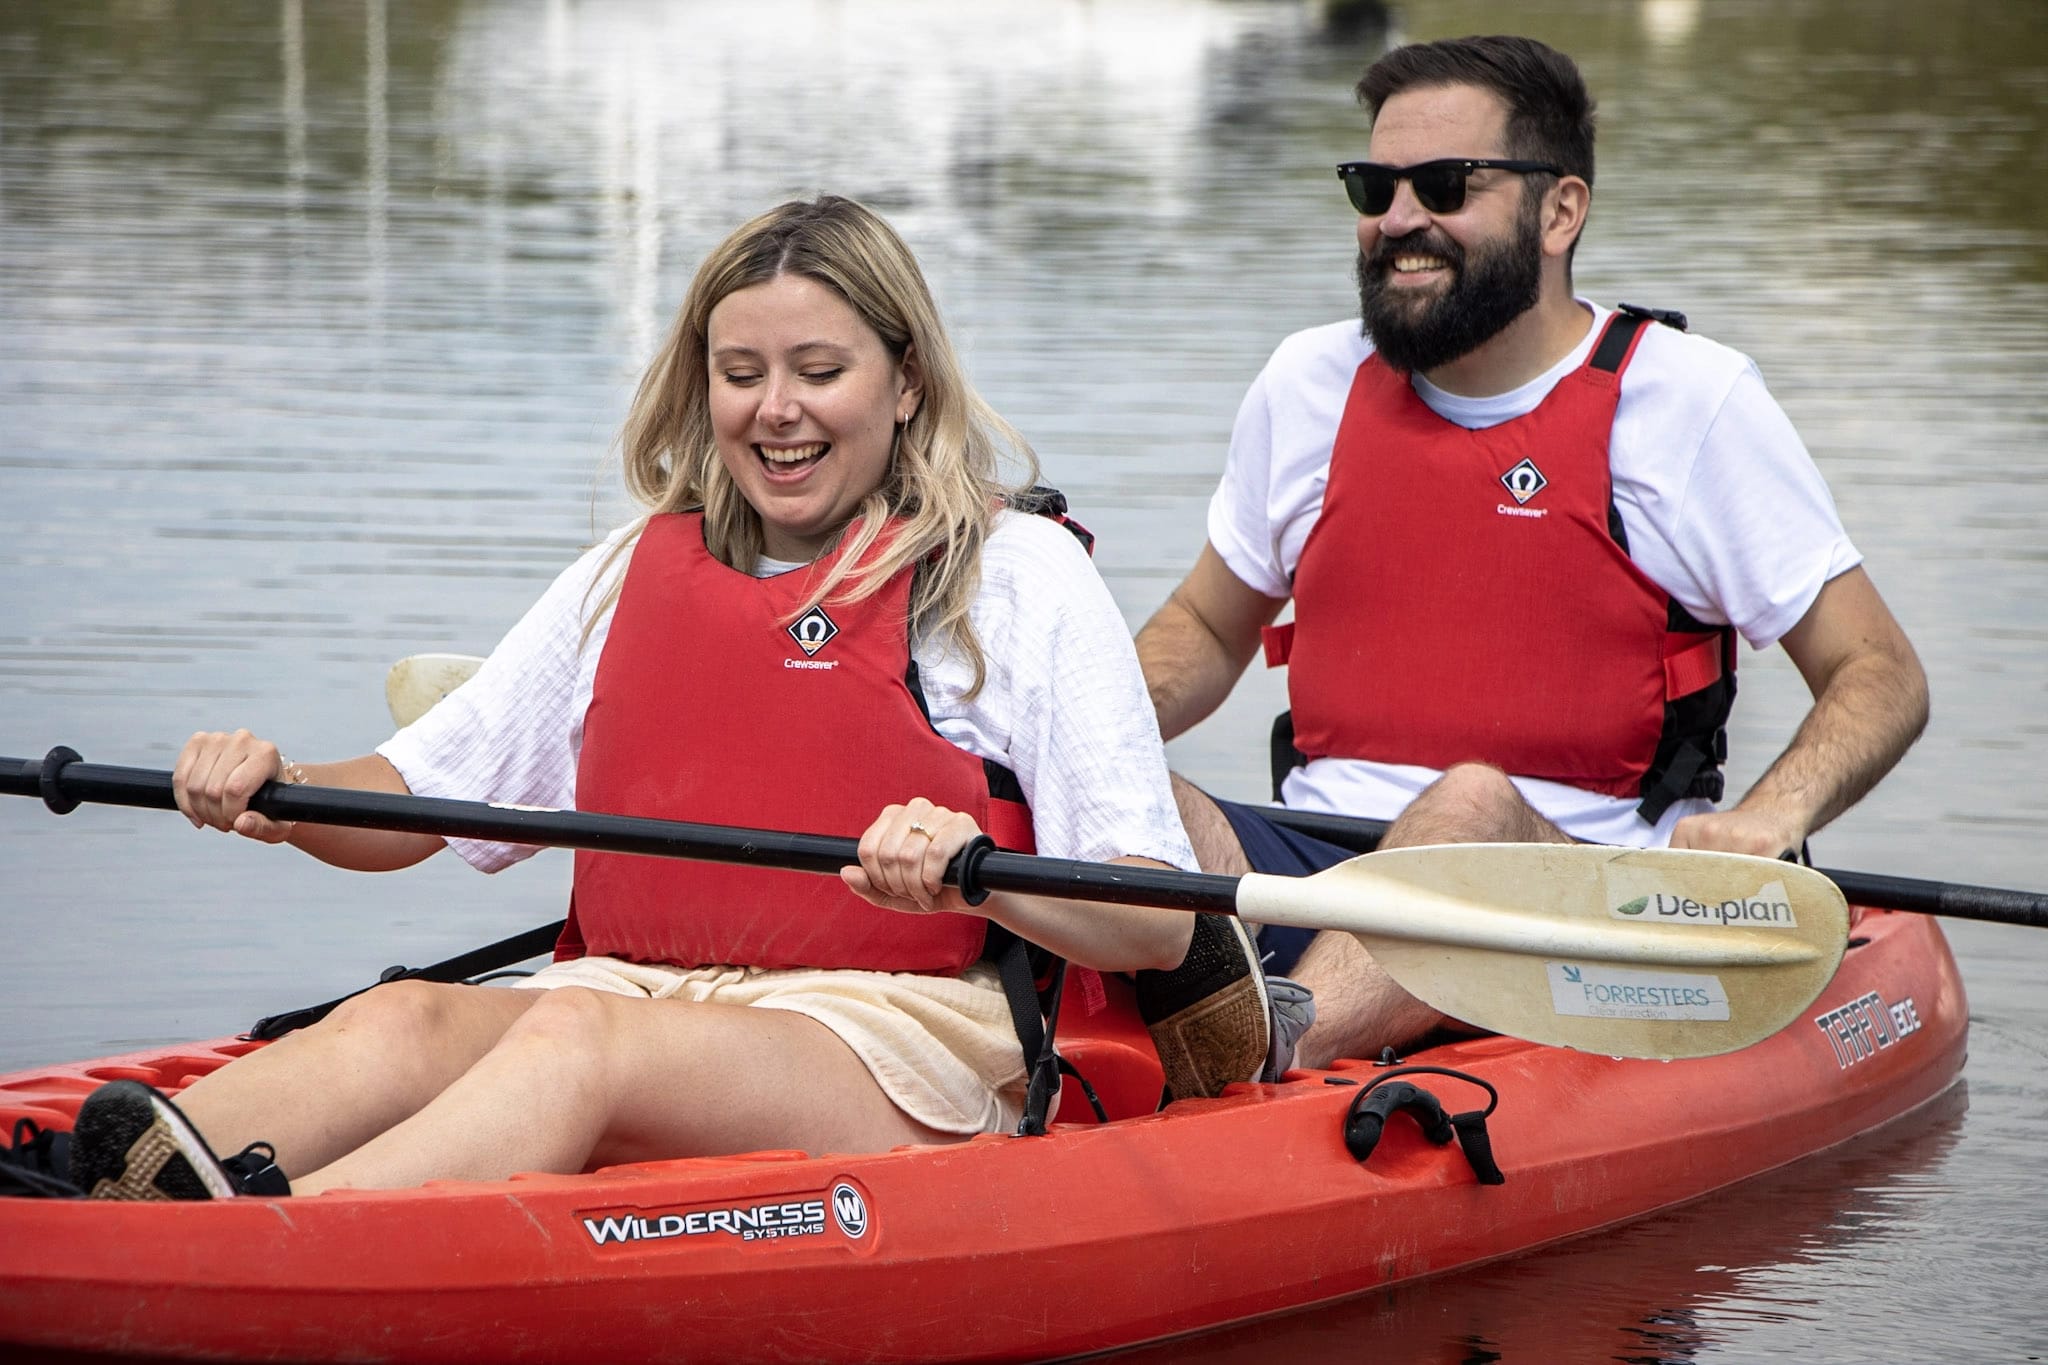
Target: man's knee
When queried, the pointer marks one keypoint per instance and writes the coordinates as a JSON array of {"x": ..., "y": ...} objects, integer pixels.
[
  {"x": 1480, "y": 787},
  {"x": 1471, "y": 802}
]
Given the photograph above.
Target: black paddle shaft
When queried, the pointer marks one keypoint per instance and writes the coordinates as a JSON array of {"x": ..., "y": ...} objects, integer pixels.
[
  {"x": 64, "y": 781},
  {"x": 1954, "y": 900}
]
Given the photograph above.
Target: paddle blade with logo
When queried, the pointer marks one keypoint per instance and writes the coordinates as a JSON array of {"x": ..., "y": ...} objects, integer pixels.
[{"x": 1627, "y": 952}]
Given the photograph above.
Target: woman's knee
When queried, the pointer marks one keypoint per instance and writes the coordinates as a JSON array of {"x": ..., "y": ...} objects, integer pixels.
[
  {"x": 574, "y": 1027},
  {"x": 427, "y": 1030},
  {"x": 405, "y": 1012}
]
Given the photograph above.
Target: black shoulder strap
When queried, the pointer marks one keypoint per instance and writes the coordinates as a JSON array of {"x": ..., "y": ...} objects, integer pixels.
[
  {"x": 1628, "y": 319},
  {"x": 1670, "y": 317},
  {"x": 1012, "y": 958},
  {"x": 489, "y": 958},
  {"x": 1041, "y": 500}
]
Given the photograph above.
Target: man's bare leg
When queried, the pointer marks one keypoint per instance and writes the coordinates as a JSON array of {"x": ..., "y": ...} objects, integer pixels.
[
  {"x": 1215, "y": 842},
  {"x": 1359, "y": 1009},
  {"x": 1212, "y": 1017}
]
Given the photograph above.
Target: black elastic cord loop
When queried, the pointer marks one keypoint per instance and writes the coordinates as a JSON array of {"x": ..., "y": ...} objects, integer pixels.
[
  {"x": 1366, "y": 1118},
  {"x": 1374, "y": 1105},
  {"x": 1493, "y": 1102},
  {"x": 54, "y": 764},
  {"x": 965, "y": 870},
  {"x": 1067, "y": 1068}
]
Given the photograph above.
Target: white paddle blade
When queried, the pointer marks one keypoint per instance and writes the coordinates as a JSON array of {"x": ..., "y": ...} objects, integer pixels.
[
  {"x": 417, "y": 682},
  {"x": 1658, "y": 953}
]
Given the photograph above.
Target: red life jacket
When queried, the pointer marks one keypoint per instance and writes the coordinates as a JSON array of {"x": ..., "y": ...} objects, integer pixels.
[
  {"x": 711, "y": 705},
  {"x": 1468, "y": 595}
]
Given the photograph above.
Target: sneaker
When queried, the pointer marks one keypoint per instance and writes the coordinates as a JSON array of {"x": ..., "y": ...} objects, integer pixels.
[
  {"x": 1208, "y": 1016},
  {"x": 1293, "y": 1010},
  {"x": 132, "y": 1143},
  {"x": 37, "y": 1164}
]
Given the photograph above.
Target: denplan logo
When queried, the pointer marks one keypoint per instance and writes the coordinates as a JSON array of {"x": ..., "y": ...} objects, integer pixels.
[{"x": 1769, "y": 908}]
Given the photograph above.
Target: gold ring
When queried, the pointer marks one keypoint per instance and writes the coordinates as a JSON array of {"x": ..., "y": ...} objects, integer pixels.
[{"x": 917, "y": 827}]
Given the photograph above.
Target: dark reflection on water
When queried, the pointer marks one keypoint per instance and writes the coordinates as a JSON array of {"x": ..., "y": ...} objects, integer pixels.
[
  {"x": 319, "y": 319},
  {"x": 1672, "y": 1289}
]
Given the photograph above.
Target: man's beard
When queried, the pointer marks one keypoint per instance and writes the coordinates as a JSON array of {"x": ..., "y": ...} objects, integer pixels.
[{"x": 1492, "y": 287}]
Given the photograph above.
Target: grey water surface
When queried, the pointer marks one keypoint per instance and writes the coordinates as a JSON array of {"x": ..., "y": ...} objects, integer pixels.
[{"x": 317, "y": 321}]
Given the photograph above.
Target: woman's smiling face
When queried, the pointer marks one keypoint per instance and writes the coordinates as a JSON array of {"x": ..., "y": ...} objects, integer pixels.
[{"x": 805, "y": 400}]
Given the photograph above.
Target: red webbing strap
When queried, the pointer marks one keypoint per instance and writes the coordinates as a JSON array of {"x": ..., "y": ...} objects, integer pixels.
[
  {"x": 1693, "y": 667},
  {"x": 1279, "y": 642}
]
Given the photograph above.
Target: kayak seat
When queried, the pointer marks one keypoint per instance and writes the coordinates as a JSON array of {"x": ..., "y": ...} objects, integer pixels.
[{"x": 1102, "y": 1037}]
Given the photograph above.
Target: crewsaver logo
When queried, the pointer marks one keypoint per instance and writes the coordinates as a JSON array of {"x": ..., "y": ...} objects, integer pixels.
[
  {"x": 813, "y": 631},
  {"x": 1524, "y": 481}
]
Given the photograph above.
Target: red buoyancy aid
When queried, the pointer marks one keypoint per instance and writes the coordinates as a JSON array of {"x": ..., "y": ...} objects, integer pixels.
[
  {"x": 1468, "y": 595},
  {"x": 710, "y": 704}
]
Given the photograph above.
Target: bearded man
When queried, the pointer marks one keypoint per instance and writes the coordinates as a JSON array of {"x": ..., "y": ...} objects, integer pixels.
[{"x": 1520, "y": 532}]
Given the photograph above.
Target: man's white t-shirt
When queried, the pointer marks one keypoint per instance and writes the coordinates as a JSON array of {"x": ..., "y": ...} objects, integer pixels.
[
  {"x": 1722, "y": 505},
  {"x": 1063, "y": 706}
]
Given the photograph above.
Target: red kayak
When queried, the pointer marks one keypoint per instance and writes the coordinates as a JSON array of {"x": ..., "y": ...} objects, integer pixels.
[{"x": 1092, "y": 1237}]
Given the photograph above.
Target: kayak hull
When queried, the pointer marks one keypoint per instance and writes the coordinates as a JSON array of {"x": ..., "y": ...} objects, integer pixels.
[{"x": 1091, "y": 1238}]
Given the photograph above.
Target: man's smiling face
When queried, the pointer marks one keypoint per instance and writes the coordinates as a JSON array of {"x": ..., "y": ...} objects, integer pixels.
[{"x": 1434, "y": 287}]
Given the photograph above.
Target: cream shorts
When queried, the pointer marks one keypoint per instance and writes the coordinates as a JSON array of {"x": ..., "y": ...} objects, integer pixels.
[{"x": 942, "y": 1048}]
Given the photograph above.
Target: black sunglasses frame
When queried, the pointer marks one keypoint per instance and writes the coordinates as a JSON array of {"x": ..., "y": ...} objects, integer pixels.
[{"x": 1439, "y": 185}]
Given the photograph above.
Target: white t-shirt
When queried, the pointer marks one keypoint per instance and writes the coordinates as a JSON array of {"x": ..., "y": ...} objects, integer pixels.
[
  {"x": 1723, "y": 508},
  {"x": 1063, "y": 706}
]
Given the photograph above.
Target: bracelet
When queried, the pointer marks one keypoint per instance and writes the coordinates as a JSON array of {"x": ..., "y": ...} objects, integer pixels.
[{"x": 290, "y": 773}]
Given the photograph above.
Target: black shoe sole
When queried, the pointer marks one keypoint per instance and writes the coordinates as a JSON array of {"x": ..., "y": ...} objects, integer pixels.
[{"x": 131, "y": 1142}]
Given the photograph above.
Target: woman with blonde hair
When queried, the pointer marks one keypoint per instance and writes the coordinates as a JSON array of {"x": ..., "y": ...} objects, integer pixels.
[{"x": 828, "y": 611}]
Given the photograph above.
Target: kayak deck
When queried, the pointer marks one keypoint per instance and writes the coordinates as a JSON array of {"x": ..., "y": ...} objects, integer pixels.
[{"x": 1093, "y": 1237}]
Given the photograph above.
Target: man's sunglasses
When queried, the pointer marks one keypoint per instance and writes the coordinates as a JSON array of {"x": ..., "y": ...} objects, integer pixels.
[{"x": 1439, "y": 185}]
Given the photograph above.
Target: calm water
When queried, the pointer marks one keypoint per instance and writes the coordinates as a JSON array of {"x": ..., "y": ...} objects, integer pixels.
[{"x": 317, "y": 320}]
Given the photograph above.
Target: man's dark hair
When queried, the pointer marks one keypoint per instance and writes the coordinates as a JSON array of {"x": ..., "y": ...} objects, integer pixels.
[{"x": 1550, "y": 112}]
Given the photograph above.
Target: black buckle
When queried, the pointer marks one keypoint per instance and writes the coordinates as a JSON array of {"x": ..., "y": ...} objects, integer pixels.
[{"x": 1670, "y": 317}]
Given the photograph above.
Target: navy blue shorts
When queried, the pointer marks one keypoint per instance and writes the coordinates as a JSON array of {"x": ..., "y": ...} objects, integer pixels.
[{"x": 1285, "y": 852}]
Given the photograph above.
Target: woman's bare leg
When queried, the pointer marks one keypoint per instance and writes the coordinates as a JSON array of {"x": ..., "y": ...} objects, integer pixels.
[
  {"x": 587, "y": 1078},
  {"x": 376, "y": 1060}
]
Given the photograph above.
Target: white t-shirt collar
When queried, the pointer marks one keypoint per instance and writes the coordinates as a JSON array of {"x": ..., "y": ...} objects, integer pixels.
[{"x": 1493, "y": 409}]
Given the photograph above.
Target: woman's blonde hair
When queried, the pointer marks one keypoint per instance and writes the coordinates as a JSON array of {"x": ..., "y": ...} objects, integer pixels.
[{"x": 944, "y": 479}]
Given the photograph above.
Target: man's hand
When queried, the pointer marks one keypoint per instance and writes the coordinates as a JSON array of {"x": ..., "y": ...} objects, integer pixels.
[
  {"x": 1869, "y": 705},
  {"x": 1763, "y": 833}
]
